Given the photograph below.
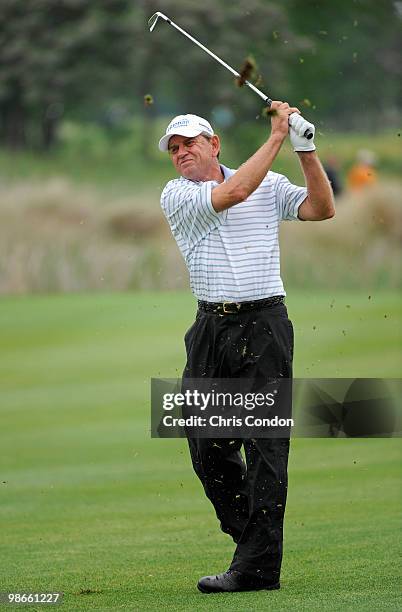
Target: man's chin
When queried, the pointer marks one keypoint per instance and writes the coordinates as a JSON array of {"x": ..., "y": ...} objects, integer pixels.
[{"x": 190, "y": 174}]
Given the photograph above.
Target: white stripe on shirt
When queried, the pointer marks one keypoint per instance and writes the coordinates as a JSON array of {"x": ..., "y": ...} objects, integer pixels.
[{"x": 232, "y": 256}]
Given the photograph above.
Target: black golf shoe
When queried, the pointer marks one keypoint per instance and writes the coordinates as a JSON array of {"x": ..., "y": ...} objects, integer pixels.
[{"x": 233, "y": 581}]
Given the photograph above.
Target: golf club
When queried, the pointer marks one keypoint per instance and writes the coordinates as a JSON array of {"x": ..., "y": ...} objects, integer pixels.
[{"x": 152, "y": 23}]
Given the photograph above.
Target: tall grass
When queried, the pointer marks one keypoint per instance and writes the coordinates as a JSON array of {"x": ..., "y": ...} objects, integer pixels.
[
  {"x": 56, "y": 237},
  {"x": 87, "y": 216},
  {"x": 59, "y": 237},
  {"x": 359, "y": 248}
]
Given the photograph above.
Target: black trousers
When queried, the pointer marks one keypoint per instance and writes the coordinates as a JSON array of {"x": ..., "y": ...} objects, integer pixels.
[{"x": 249, "y": 498}]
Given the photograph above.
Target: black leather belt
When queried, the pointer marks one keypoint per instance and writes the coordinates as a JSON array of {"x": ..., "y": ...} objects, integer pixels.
[{"x": 237, "y": 307}]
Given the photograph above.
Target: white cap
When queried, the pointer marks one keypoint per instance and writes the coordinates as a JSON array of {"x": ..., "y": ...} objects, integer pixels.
[{"x": 185, "y": 125}]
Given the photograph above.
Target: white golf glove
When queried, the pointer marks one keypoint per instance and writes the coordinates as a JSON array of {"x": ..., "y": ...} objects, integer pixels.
[{"x": 297, "y": 129}]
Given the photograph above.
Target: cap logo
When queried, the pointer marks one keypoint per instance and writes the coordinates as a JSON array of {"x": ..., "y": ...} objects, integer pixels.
[
  {"x": 184, "y": 125},
  {"x": 178, "y": 124}
]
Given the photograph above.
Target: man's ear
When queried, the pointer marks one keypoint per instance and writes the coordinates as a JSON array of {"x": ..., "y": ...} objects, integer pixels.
[{"x": 216, "y": 145}]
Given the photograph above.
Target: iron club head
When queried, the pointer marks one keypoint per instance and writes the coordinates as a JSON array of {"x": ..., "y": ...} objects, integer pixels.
[{"x": 152, "y": 21}]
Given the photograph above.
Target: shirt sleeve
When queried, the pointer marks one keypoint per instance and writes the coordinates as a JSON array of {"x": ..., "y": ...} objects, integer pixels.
[
  {"x": 288, "y": 198},
  {"x": 189, "y": 211}
]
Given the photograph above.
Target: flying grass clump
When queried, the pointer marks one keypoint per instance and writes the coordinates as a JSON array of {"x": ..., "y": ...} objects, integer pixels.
[
  {"x": 148, "y": 100},
  {"x": 259, "y": 81},
  {"x": 247, "y": 72},
  {"x": 267, "y": 111}
]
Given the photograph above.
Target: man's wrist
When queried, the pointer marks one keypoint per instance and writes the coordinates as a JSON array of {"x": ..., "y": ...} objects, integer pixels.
[
  {"x": 276, "y": 138},
  {"x": 307, "y": 155}
]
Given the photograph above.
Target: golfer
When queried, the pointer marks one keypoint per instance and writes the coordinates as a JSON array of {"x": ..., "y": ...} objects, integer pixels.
[{"x": 226, "y": 225}]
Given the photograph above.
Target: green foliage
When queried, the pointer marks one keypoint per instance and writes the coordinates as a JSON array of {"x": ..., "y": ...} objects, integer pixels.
[
  {"x": 232, "y": 31},
  {"x": 331, "y": 143},
  {"x": 89, "y": 154},
  {"x": 95, "y": 61},
  {"x": 352, "y": 73},
  {"x": 58, "y": 57}
]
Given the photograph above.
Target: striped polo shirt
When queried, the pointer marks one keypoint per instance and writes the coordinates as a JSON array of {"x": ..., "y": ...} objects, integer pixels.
[{"x": 233, "y": 255}]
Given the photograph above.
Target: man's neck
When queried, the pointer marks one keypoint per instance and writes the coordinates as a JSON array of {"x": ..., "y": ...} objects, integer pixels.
[{"x": 216, "y": 174}]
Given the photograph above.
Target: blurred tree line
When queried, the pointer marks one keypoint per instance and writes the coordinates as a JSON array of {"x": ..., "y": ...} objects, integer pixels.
[{"x": 95, "y": 60}]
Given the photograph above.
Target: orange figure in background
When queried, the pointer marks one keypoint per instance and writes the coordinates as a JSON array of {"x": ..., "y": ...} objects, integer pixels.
[{"x": 363, "y": 173}]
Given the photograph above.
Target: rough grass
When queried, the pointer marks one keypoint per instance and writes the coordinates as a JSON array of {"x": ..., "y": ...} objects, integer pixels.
[
  {"x": 360, "y": 247},
  {"x": 56, "y": 236},
  {"x": 87, "y": 216},
  {"x": 93, "y": 507}
]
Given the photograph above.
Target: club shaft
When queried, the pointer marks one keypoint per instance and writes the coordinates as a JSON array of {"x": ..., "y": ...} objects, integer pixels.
[
  {"x": 224, "y": 64},
  {"x": 308, "y": 133}
]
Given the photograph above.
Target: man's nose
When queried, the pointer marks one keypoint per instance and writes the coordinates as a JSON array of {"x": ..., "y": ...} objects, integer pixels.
[{"x": 182, "y": 150}]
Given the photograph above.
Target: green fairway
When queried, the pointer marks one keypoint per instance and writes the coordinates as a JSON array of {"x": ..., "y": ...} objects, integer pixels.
[{"x": 93, "y": 507}]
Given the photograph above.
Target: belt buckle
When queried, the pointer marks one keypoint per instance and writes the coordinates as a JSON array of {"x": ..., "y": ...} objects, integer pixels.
[{"x": 225, "y": 305}]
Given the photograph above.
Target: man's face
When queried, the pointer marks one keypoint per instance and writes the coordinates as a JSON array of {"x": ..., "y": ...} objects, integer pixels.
[{"x": 194, "y": 157}]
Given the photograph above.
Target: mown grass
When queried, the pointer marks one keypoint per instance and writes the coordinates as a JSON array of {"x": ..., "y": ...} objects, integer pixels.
[{"x": 93, "y": 507}]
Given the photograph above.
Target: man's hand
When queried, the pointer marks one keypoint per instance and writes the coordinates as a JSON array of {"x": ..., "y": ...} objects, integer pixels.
[
  {"x": 299, "y": 126},
  {"x": 250, "y": 174},
  {"x": 280, "y": 113}
]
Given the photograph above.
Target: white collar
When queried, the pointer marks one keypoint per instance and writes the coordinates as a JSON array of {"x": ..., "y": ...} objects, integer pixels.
[{"x": 227, "y": 172}]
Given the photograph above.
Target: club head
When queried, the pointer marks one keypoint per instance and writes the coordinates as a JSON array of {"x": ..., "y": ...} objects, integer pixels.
[{"x": 152, "y": 21}]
